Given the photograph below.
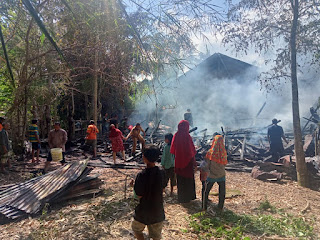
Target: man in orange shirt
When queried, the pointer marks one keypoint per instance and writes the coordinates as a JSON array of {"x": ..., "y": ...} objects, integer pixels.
[{"x": 91, "y": 138}]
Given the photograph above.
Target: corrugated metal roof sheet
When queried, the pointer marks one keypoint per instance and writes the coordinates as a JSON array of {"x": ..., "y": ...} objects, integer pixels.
[{"x": 28, "y": 198}]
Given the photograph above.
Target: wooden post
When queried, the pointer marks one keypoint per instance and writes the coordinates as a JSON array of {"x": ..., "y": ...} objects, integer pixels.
[{"x": 243, "y": 148}]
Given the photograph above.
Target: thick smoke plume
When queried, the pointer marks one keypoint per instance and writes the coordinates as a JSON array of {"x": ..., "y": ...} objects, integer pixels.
[{"x": 229, "y": 102}]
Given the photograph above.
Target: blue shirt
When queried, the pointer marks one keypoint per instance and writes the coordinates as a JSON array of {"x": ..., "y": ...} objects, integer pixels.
[{"x": 167, "y": 159}]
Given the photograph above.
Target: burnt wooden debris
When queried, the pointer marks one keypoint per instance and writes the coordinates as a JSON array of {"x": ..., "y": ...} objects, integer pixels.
[
  {"x": 25, "y": 199},
  {"x": 248, "y": 151}
]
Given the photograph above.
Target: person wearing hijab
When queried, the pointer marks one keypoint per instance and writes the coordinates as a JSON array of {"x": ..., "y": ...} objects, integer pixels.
[
  {"x": 116, "y": 137},
  {"x": 183, "y": 149},
  {"x": 212, "y": 170}
]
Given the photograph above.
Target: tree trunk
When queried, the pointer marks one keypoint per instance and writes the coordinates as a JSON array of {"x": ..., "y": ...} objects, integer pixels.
[
  {"x": 302, "y": 173},
  {"x": 95, "y": 83}
]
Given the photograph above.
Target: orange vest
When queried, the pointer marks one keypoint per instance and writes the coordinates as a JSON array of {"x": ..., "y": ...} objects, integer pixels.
[{"x": 92, "y": 132}]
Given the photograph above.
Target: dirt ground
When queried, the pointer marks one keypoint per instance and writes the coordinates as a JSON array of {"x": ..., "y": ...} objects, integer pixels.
[{"x": 109, "y": 215}]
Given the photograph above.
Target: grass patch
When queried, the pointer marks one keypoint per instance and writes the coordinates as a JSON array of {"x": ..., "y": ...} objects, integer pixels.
[
  {"x": 267, "y": 206},
  {"x": 109, "y": 210},
  {"x": 229, "y": 225}
]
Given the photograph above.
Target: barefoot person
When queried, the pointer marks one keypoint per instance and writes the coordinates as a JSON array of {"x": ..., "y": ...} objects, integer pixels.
[
  {"x": 34, "y": 139},
  {"x": 148, "y": 186},
  {"x": 57, "y": 139},
  {"x": 116, "y": 137},
  {"x": 135, "y": 134},
  {"x": 214, "y": 167},
  {"x": 184, "y": 151}
]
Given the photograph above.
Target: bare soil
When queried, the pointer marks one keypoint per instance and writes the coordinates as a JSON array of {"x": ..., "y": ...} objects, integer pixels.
[{"x": 109, "y": 215}]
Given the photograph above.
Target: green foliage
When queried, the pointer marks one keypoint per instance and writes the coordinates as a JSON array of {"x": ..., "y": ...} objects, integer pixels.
[
  {"x": 266, "y": 206},
  {"x": 229, "y": 225},
  {"x": 6, "y": 93}
]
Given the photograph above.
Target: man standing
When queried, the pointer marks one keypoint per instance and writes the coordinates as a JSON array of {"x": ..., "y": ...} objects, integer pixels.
[
  {"x": 5, "y": 148},
  {"x": 57, "y": 139},
  {"x": 91, "y": 138},
  {"x": 188, "y": 117},
  {"x": 34, "y": 139},
  {"x": 275, "y": 133},
  {"x": 114, "y": 120}
]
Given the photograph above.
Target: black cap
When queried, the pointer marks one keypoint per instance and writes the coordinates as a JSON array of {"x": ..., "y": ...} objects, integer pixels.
[{"x": 274, "y": 121}]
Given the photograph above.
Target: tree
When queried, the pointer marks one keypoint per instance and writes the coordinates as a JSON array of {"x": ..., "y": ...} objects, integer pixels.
[
  {"x": 290, "y": 28},
  {"x": 89, "y": 52}
]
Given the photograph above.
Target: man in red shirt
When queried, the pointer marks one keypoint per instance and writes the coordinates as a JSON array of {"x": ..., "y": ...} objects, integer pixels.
[{"x": 91, "y": 138}]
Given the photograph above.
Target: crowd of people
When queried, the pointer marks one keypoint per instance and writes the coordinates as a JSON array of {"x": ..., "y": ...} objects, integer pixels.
[{"x": 178, "y": 165}]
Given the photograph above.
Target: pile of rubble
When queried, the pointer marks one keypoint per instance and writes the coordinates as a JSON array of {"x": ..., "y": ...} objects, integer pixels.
[{"x": 28, "y": 198}]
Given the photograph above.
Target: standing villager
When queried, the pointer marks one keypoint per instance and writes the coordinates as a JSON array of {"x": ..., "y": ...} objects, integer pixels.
[
  {"x": 116, "y": 137},
  {"x": 184, "y": 151},
  {"x": 34, "y": 139},
  {"x": 114, "y": 120},
  {"x": 188, "y": 117},
  {"x": 167, "y": 162},
  {"x": 275, "y": 133},
  {"x": 135, "y": 135},
  {"x": 57, "y": 139},
  {"x": 212, "y": 170},
  {"x": 5, "y": 148},
  {"x": 1, "y": 123},
  {"x": 105, "y": 124},
  {"x": 124, "y": 125},
  {"x": 91, "y": 138},
  {"x": 148, "y": 186}
]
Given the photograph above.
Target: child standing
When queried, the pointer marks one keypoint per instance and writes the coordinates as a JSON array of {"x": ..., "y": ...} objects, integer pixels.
[
  {"x": 148, "y": 186},
  {"x": 167, "y": 162},
  {"x": 213, "y": 170}
]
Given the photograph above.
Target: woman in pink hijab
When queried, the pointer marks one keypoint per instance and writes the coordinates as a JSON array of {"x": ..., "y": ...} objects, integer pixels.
[{"x": 183, "y": 149}]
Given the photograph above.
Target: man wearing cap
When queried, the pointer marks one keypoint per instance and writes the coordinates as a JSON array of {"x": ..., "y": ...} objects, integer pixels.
[
  {"x": 57, "y": 139},
  {"x": 275, "y": 133}
]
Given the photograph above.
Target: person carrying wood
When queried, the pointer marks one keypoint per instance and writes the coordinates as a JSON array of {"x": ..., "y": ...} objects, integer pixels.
[
  {"x": 275, "y": 134},
  {"x": 91, "y": 138},
  {"x": 57, "y": 139},
  {"x": 135, "y": 135}
]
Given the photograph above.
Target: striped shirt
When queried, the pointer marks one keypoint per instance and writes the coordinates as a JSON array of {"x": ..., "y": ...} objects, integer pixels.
[{"x": 33, "y": 132}]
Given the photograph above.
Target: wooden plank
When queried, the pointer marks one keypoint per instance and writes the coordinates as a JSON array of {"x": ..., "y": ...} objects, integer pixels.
[{"x": 243, "y": 148}]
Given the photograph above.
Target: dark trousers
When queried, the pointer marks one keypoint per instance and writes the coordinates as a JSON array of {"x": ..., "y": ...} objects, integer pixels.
[{"x": 206, "y": 187}]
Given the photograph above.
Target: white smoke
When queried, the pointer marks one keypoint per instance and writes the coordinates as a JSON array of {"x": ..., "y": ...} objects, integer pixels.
[{"x": 231, "y": 103}]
